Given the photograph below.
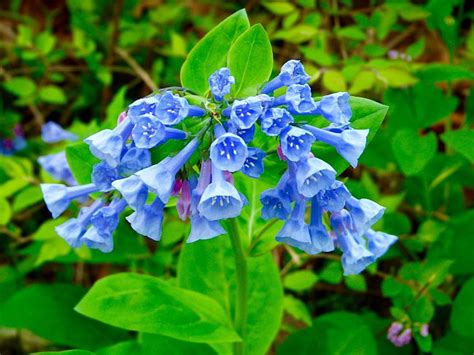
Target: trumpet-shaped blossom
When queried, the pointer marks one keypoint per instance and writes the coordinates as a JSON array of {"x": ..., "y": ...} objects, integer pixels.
[
  {"x": 313, "y": 175},
  {"x": 203, "y": 229},
  {"x": 349, "y": 143},
  {"x": 172, "y": 109},
  {"x": 51, "y": 132},
  {"x": 334, "y": 198},
  {"x": 103, "y": 175},
  {"x": 149, "y": 132},
  {"x": 379, "y": 242},
  {"x": 142, "y": 107},
  {"x": 276, "y": 203},
  {"x": 58, "y": 197},
  {"x": 184, "y": 203},
  {"x": 253, "y": 165},
  {"x": 299, "y": 99},
  {"x": 292, "y": 72},
  {"x": 57, "y": 166},
  {"x": 133, "y": 160},
  {"x": 160, "y": 178},
  {"x": 275, "y": 120},
  {"x": 244, "y": 113},
  {"x": 295, "y": 231},
  {"x": 336, "y": 108},
  {"x": 321, "y": 241},
  {"x": 220, "y": 83},
  {"x": 228, "y": 151},
  {"x": 133, "y": 190},
  {"x": 296, "y": 143},
  {"x": 148, "y": 220},
  {"x": 246, "y": 134},
  {"x": 365, "y": 213}
]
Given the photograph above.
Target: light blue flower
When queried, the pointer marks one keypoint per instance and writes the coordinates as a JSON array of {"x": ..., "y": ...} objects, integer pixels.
[
  {"x": 276, "y": 203},
  {"x": 51, "y": 132},
  {"x": 349, "y": 143},
  {"x": 203, "y": 229},
  {"x": 321, "y": 241},
  {"x": 220, "y": 83},
  {"x": 253, "y": 165},
  {"x": 133, "y": 190},
  {"x": 148, "y": 220},
  {"x": 149, "y": 132},
  {"x": 108, "y": 144},
  {"x": 172, "y": 109},
  {"x": 246, "y": 134},
  {"x": 275, "y": 120},
  {"x": 160, "y": 178},
  {"x": 228, "y": 151},
  {"x": 295, "y": 231},
  {"x": 299, "y": 100},
  {"x": 133, "y": 160},
  {"x": 365, "y": 213},
  {"x": 142, "y": 107},
  {"x": 103, "y": 175},
  {"x": 379, "y": 242},
  {"x": 296, "y": 143},
  {"x": 57, "y": 166},
  {"x": 334, "y": 198},
  {"x": 244, "y": 113},
  {"x": 313, "y": 175},
  {"x": 292, "y": 72},
  {"x": 221, "y": 199},
  {"x": 58, "y": 197},
  {"x": 355, "y": 257},
  {"x": 336, "y": 108}
]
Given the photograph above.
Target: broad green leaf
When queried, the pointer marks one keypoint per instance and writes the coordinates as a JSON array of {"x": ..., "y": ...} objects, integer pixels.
[
  {"x": 20, "y": 86},
  {"x": 413, "y": 151},
  {"x": 296, "y": 34},
  {"x": 158, "y": 308},
  {"x": 116, "y": 106},
  {"x": 297, "y": 309},
  {"x": 332, "y": 273},
  {"x": 250, "y": 61},
  {"x": 461, "y": 141},
  {"x": 356, "y": 283},
  {"x": 11, "y": 187},
  {"x": 47, "y": 310},
  {"x": 444, "y": 72},
  {"x": 26, "y": 198},
  {"x": 334, "y": 81},
  {"x": 279, "y": 7},
  {"x": 52, "y": 94},
  {"x": 397, "y": 77},
  {"x": 214, "y": 275},
  {"x": 351, "y": 32},
  {"x": 300, "y": 280},
  {"x": 5, "y": 211},
  {"x": 364, "y": 80},
  {"x": 332, "y": 333},
  {"x": 210, "y": 53},
  {"x": 45, "y": 42},
  {"x": 462, "y": 316},
  {"x": 81, "y": 161}
]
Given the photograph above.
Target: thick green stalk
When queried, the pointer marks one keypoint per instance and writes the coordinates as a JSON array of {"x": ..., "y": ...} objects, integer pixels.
[{"x": 241, "y": 303}]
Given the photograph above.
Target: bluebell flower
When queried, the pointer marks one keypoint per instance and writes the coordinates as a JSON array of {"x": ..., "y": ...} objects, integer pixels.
[
  {"x": 321, "y": 241},
  {"x": 253, "y": 165},
  {"x": 172, "y": 109},
  {"x": 160, "y": 178},
  {"x": 292, "y": 72},
  {"x": 148, "y": 220},
  {"x": 244, "y": 113},
  {"x": 299, "y": 100},
  {"x": 103, "y": 175},
  {"x": 365, "y": 213},
  {"x": 334, "y": 198},
  {"x": 221, "y": 199},
  {"x": 379, "y": 242},
  {"x": 349, "y": 143},
  {"x": 108, "y": 144},
  {"x": 355, "y": 257},
  {"x": 51, "y": 132},
  {"x": 296, "y": 143},
  {"x": 133, "y": 190},
  {"x": 228, "y": 151},
  {"x": 220, "y": 83},
  {"x": 57, "y": 166},
  {"x": 142, "y": 107},
  {"x": 133, "y": 160},
  {"x": 183, "y": 206},
  {"x": 73, "y": 229},
  {"x": 313, "y": 175},
  {"x": 148, "y": 132},
  {"x": 275, "y": 120},
  {"x": 276, "y": 203},
  {"x": 246, "y": 134},
  {"x": 58, "y": 197},
  {"x": 295, "y": 231},
  {"x": 203, "y": 229},
  {"x": 336, "y": 108}
]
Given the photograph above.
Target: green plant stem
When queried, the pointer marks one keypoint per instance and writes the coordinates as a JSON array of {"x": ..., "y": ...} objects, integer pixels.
[{"x": 241, "y": 303}]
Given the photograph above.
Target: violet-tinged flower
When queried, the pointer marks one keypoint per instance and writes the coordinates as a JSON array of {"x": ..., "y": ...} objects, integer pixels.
[
  {"x": 336, "y": 108},
  {"x": 275, "y": 120},
  {"x": 246, "y": 134},
  {"x": 57, "y": 166},
  {"x": 73, "y": 229},
  {"x": 221, "y": 199},
  {"x": 148, "y": 220},
  {"x": 103, "y": 175},
  {"x": 334, "y": 198},
  {"x": 402, "y": 339},
  {"x": 133, "y": 190},
  {"x": 108, "y": 144},
  {"x": 253, "y": 165},
  {"x": 122, "y": 117},
  {"x": 394, "y": 330},
  {"x": 133, "y": 160},
  {"x": 203, "y": 181},
  {"x": 355, "y": 257},
  {"x": 295, "y": 231},
  {"x": 142, "y": 107},
  {"x": 58, "y": 197},
  {"x": 51, "y": 132},
  {"x": 365, "y": 213},
  {"x": 313, "y": 175},
  {"x": 228, "y": 151},
  {"x": 149, "y": 132},
  {"x": 276, "y": 203},
  {"x": 160, "y": 178},
  {"x": 379, "y": 242},
  {"x": 424, "y": 330},
  {"x": 220, "y": 83},
  {"x": 299, "y": 100},
  {"x": 172, "y": 109},
  {"x": 184, "y": 203},
  {"x": 321, "y": 241},
  {"x": 296, "y": 143},
  {"x": 244, "y": 113},
  {"x": 349, "y": 143},
  {"x": 292, "y": 72}
]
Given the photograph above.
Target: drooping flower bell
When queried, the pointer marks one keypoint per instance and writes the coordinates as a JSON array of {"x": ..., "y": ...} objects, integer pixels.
[
  {"x": 58, "y": 197},
  {"x": 228, "y": 151},
  {"x": 51, "y": 132},
  {"x": 57, "y": 166},
  {"x": 296, "y": 143},
  {"x": 220, "y": 83},
  {"x": 292, "y": 72}
]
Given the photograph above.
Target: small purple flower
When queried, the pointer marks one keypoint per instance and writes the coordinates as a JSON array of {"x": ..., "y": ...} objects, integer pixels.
[
  {"x": 103, "y": 175},
  {"x": 149, "y": 132},
  {"x": 228, "y": 151},
  {"x": 51, "y": 132},
  {"x": 184, "y": 203},
  {"x": 296, "y": 143},
  {"x": 172, "y": 109},
  {"x": 295, "y": 231},
  {"x": 133, "y": 160},
  {"x": 253, "y": 165},
  {"x": 220, "y": 83},
  {"x": 244, "y": 113},
  {"x": 425, "y": 330},
  {"x": 299, "y": 100},
  {"x": 57, "y": 166},
  {"x": 313, "y": 175},
  {"x": 148, "y": 220},
  {"x": 275, "y": 120},
  {"x": 292, "y": 72},
  {"x": 133, "y": 190},
  {"x": 58, "y": 197}
]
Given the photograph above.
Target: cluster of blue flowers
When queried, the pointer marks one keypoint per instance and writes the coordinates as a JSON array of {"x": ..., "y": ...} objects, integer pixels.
[{"x": 127, "y": 177}]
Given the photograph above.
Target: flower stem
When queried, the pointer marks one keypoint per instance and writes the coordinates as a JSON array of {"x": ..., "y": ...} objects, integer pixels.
[{"x": 241, "y": 303}]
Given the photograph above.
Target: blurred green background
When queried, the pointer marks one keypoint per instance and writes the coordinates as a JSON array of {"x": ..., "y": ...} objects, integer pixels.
[{"x": 80, "y": 62}]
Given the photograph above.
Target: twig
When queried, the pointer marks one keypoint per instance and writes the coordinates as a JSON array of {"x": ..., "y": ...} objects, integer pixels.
[{"x": 137, "y": 68}]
